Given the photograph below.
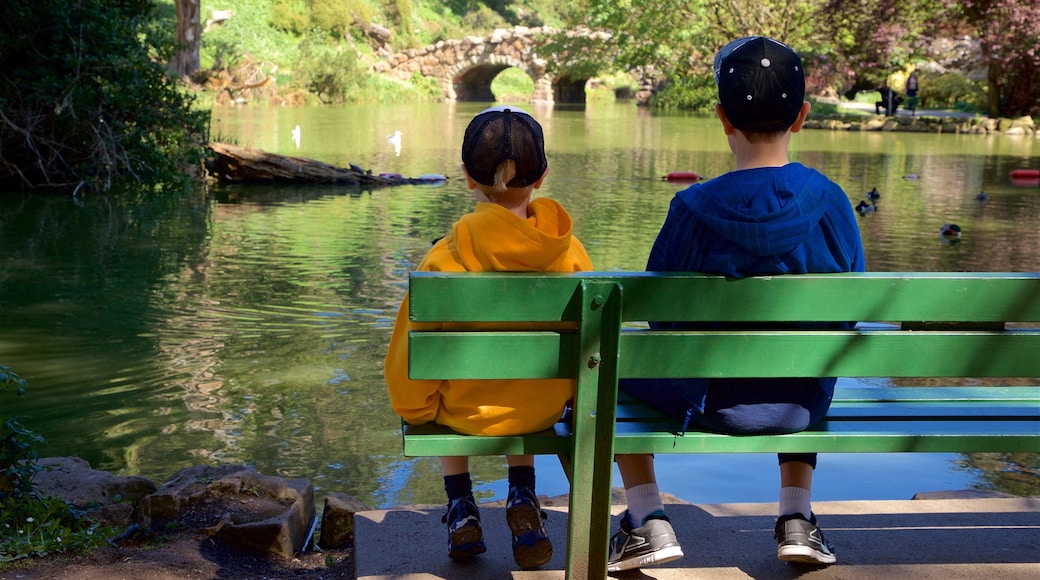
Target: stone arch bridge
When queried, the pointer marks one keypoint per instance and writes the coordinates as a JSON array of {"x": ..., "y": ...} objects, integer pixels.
[{"x": 465, "y": 68}]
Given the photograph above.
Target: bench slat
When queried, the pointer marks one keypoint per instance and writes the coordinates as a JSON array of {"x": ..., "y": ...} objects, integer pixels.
[
  {"x": 538, "y": 355},
  {"x": 974, "y": 297},
  {"x": 840, "y": 437}
]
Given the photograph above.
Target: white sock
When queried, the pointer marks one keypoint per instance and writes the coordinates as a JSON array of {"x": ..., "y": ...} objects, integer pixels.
[
  {"x": 643, "y": 500},
  {"x": 795, "y": 500}
]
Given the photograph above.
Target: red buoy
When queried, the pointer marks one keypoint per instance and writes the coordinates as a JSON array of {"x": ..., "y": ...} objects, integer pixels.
[
  {"x": 1025, "y": 174},
  {"x": 683, "y": 176}
]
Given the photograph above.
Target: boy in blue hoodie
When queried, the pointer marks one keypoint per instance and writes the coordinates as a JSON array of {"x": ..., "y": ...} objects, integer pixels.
[{"x": 769, "y": 216}]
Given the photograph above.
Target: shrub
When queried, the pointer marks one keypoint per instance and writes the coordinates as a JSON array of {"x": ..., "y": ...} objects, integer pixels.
[
  {"x": 84, "y": 106},
  {"x": 691, "y": 93},
  {"x": 952, "y": 91}
]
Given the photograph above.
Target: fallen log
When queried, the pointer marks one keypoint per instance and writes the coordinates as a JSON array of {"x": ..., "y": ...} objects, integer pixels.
[{"x": 237, "y": 164}]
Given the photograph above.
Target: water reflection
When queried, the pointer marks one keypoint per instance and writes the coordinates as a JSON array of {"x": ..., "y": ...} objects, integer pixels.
[{"x": 248, "y": 324}]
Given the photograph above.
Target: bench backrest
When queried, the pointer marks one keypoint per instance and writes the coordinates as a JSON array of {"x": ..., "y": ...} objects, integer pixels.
[{"x": 931, "y": 325}]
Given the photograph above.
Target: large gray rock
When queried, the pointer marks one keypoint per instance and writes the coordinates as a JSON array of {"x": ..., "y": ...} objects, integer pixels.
[
  {"x": 105, "y": 497},
  {"x": 235, "y": 504},
  {"x": 337, "y": 520}
]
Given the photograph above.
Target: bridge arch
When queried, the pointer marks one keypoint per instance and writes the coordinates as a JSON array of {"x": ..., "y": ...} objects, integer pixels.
[{"x": 465, "y": 68}]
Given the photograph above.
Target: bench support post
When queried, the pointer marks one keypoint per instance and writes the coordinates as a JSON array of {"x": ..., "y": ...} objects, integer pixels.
[{"x": 594, "y": 414}]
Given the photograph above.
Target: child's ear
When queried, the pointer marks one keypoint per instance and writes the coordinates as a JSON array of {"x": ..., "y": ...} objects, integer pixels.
[
  {"x": 727, "y": 127},
  {"x": 470, "y": 182},
  {"x": 802, "y": 114},
  {"x": 538, "y": 183}
]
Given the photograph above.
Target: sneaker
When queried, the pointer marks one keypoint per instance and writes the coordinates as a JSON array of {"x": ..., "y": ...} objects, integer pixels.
[
  {"x": 652, "y": 543},
  {"x": 800, "y": 540},
  {"x": 465, "y": 538},
  {"x": 531, "y": 545}
]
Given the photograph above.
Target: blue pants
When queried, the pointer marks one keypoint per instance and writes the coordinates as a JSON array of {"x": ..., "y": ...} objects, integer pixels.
[{"x": 740, "y": 406}]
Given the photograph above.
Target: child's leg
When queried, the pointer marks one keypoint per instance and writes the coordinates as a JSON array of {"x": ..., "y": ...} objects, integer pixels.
[
  {"x": 531, "y": 545},
  {"x": 799, "y": 538},
  {"x": 796, "y": 475},
  {"x": 646, "y": 536},
  {"x": 465, "y": 537},
  {"x": 640, "y": 481}
]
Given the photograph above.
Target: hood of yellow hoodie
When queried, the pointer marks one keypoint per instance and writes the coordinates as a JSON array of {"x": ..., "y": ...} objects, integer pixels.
[{"x": 491, "y": 238}]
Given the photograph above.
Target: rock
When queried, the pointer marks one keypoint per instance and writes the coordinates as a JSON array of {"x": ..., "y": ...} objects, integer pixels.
[
  {"x": 235, "y": 504},
  {"x": 337, "y": 520},
  {"x": 108, "y": 498}
]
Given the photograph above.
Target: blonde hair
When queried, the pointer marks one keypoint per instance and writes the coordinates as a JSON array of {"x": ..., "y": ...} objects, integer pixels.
[{"x": 500, "y": 192}]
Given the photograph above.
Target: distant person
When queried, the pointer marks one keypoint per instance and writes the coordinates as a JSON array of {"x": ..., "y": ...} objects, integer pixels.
[
  {"x": 503, "y": 157},
  {"x": 768, "y": 216},
  {"x": 890, "y": 100},
  {"x": 912, "y": 85}
]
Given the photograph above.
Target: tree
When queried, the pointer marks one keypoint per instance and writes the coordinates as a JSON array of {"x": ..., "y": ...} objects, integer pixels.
[
  {"x": 1009, "y": 36},
  {"x": 82, "y": 104},
  {"x": 185, "y": 60}
]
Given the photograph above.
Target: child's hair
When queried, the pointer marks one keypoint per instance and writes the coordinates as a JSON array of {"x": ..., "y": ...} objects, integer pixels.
[
  {"x": 761, "y": 84},
  {"x": 499, "y": 191},
  {"x": 503, "y": 149}
]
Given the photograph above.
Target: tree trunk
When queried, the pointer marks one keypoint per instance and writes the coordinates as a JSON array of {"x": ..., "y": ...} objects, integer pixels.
[
  {"x": 237, "y": 164},
  {"x": 994, "y": 93},
  {"x": 189, "y": 30}
]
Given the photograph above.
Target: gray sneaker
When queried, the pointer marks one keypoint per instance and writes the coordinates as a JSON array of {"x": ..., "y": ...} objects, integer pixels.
[
  {"x": 652, "y": 543},
  {"x": 801, "y": 541}
]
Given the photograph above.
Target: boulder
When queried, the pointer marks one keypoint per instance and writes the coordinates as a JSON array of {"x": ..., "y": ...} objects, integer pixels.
[
  {"x": 337, "y": 520},
  {"x": 108, "y": 498},
  {"x": 237, "y": 505}
]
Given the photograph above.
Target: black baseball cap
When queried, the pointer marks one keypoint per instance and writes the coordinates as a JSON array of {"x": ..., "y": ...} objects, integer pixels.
[
  {"x": 501, "y": 133},
  {"x": 761, "y": 84}
]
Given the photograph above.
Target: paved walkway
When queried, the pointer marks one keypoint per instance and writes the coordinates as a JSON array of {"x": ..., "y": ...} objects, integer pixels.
[
  {"x": 901, "y": 112},
  {"x": 924, "y": 539}
]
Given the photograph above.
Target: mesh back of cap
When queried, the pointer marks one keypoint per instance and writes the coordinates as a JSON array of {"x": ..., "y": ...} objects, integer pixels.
[{"x": 499, "y": 134}]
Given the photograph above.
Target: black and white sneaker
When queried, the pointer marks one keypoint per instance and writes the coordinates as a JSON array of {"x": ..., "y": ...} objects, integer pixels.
[
  {"x": 801, "y": 541},
  {"x": 652, "y": 543}
]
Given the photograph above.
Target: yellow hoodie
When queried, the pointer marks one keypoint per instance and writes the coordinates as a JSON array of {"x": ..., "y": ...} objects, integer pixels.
[{"x": 490, "y": 239}]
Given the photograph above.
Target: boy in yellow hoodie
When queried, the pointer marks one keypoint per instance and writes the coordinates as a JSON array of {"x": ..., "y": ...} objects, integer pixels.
[{"x": 503, "y": 157}]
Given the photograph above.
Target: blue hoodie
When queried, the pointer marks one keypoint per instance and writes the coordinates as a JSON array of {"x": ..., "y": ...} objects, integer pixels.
[{"x": 763, "y": 221}]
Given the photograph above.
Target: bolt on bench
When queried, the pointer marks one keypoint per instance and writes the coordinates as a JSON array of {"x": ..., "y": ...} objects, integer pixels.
[{"x": 977, "y": 332}]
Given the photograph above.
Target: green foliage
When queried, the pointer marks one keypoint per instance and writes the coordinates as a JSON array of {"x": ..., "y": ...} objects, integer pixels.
[
  {"x": 35, "y": 527},
  {"x": 18, "y": 445},
  {"x": 952, "y": 91},
  {"x": 84, "y": 106},
  {"x": 332, "y": 73},
  {"x": 31, "y": 525},
  {"x": 690, "y": 93},
  {"x": 512, "y": 85}
]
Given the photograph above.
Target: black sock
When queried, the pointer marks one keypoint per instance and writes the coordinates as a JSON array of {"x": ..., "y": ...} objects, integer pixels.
[
  {"x": 521, "y": 476},
  {"x": 458, "y": 485}
]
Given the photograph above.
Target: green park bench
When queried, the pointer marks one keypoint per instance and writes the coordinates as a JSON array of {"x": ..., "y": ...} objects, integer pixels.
[{"x": 975, "y": 334}]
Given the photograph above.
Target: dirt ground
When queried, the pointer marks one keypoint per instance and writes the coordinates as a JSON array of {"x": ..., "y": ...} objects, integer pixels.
[{"x": 187, "y": 556}]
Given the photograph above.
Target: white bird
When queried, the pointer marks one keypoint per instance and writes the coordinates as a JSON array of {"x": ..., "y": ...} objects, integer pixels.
[
  {"x": 395, "y": 140},
  {"x": 296, "y": 136}
]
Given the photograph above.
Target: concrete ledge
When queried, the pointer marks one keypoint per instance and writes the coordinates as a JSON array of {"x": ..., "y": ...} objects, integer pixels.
[{"x": 945, "y": 539}]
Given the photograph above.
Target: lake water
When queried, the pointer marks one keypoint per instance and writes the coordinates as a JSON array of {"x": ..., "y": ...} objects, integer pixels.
[{"x": 248, "y": 324}]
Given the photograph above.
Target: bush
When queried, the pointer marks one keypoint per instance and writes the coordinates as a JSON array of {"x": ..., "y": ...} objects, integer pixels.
[
  {"x": 692, "y": 93},
  {"x": 952, "y": 91},
  {"x": 84, "y": 107},
  {"x": 334, "y": 74}
]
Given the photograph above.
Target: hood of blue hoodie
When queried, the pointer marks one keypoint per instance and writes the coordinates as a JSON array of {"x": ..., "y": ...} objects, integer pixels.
[{"x": 768, "y": 210}]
